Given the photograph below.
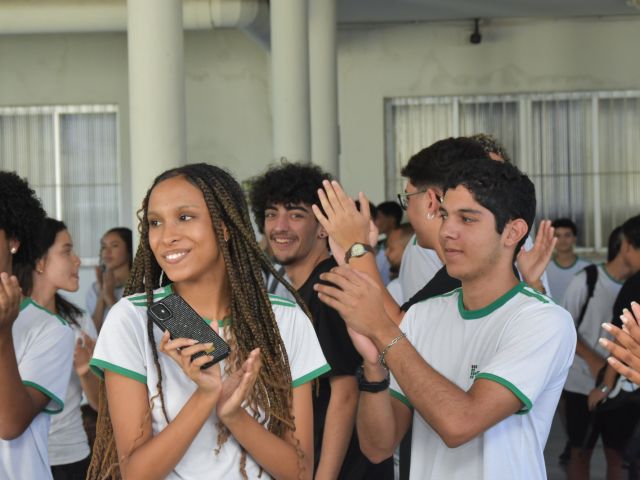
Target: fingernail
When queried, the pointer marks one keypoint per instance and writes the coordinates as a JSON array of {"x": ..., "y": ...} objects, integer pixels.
[
  {"x": 603, "y": 342},
  {"x": 606, "y": 326},
  {"x": 612, "y": 361},
  {"x": 634, "y": 303},
  {"x": 192, "y": 341},
  {"x": 623, "y": 319}
]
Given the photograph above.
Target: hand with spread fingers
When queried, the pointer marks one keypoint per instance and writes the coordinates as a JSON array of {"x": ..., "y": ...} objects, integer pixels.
[
  {"x": 181, "y": 350},
  {"x": 625, "y": 351},
  {"x": 356, "y": 297},
  {"x": 83, "y": 353},
  {"x": 10, "y": 296},
  {"x": 236, "y": 388},
  {"x": 532, "y": 264},
  {"x": 342, "y": 220}
]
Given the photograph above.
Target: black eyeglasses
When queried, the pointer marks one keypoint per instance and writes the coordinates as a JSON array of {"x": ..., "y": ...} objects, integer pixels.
[{"x": 403, "y": 198}]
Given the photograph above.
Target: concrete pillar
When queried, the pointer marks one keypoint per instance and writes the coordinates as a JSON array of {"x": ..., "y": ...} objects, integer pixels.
[
  {"x": 325, "y": 149},
  {"x": 290, "y": 80},
  {"x": 156, "y": 91}
]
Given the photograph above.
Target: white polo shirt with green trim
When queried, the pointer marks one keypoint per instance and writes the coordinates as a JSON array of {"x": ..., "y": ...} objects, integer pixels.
[
  {"x": 123, "y": 347},
  {"x": 559, "y": 276},
  {"x": 43, "y": 343},
  {"x": 523, "y": 341}
]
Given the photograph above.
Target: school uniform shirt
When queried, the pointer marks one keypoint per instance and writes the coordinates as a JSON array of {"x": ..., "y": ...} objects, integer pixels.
[
  {"x": 559, "y": 276},
  {"x": 123, "y": 348},
  {"x": 68, "y": 441},
  {"x": 418, "y": 266},
  {"x": 524, "y": 342},
  {"x": 590, "y": 330},
  {"x": 43, "y": 343}
]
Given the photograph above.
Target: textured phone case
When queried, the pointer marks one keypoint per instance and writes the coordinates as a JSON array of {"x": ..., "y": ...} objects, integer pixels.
[{"x": 184, "y": 322}]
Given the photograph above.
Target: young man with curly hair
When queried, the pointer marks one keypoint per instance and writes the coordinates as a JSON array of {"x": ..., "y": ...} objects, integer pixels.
[{"x": 281, "y": 201}]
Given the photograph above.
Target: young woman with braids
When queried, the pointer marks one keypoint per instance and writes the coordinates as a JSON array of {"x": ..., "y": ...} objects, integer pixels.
[
  {"x": 169, "y": 418},
  {"x": 56, "y": 268}
]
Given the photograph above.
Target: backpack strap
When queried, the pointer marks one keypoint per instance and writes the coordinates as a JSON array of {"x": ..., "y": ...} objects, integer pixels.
[{"x": 592, "y": 278}]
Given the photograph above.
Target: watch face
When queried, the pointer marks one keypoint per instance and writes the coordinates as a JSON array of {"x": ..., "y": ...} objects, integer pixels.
[{"x": 357, "y": 250}]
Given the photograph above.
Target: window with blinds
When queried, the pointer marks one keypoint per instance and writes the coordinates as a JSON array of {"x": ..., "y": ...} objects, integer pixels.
[
  {"x": 70, "y": 157},
  {"x": 581, "y": 150}
]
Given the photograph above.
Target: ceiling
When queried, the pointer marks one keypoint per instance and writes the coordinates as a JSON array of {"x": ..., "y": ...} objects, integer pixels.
[{"x": 390, "y": 11}]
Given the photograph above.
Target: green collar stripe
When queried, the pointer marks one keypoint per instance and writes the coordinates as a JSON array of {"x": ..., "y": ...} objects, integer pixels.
[
  {"x": 565, "y": 268},
  {"x": 99, "y": 366},
  {"x": 47, "y": 393},
  {"x": 604, "y": 269},
  {"x": 510, "y": 386},
  {"x": 223, "y": 322},
  {"x": 483, "y": 312},
  {"x": 278, "y": 300},
  {"x": 29, "y": 301},
  {"x": 310, "y": 376},
  {"x": 398, "y": 396}
]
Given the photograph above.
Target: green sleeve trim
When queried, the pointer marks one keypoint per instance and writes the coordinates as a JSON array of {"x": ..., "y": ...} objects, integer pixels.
[
  {"x": 98, "y": 366},
  {"x": 310, "y": 376},
  {"x": 47, "y": 393},
  {"x": 398, "y": 396},
  {"x": 507, "y": 384}
]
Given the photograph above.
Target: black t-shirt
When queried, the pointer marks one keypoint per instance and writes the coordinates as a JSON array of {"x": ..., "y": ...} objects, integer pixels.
[
  {"x": 340, "y": 353},
  {"x": 630, "y": 292},
  {"x": 440, "y": 283}
]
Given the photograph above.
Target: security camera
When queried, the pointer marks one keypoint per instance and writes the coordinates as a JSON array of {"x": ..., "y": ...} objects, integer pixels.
[{"x": 476, "y": 38}]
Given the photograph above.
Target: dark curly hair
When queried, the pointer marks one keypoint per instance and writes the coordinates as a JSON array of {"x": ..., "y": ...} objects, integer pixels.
[
  {"x": 500, "y": 188},
  {"x": 288, "y": 183},
  {"x": 21, "y": 214}
]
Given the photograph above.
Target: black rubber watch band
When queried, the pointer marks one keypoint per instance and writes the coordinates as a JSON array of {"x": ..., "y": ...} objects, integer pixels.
[{"x": 371, "y": 387}]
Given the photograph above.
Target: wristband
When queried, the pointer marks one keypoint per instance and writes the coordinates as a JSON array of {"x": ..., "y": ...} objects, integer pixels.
[
  {"x": 604, "y": 389},
  {"x": 372, "y": 387}
]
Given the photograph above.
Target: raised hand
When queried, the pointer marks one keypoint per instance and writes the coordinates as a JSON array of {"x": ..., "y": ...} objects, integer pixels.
[
  {"x": 625, "y": 357},
  {"x": 83, "y": 353},
  {"x": 236, "y": 388},
  {"x": 10, "y": 296},
  {"x": 341, "y": 219},
  {"x": 533, "y": 263},
  {"x": 181, "y": 350}
]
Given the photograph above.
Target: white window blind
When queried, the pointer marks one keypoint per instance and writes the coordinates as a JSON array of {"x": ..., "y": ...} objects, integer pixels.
[
  {"x": 70, "y": 156},
  {"x": 581, "y": 150}
]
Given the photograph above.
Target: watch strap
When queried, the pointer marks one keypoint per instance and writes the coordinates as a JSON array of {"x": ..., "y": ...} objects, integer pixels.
[{"x": 372, "y": 387}]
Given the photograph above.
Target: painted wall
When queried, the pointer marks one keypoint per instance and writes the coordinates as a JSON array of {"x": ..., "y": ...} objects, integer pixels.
[{"x": 228, "y": 98}]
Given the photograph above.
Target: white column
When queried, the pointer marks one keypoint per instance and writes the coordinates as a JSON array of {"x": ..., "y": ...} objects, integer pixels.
[
  {"x": 325, "y": 149},
  {"x": 156, "y": 91},
  {"x": 290, "y": 80}
]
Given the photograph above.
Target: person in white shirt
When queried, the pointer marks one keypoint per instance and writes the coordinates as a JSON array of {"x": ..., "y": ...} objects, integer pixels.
[
  {"x": 397, "y": 242},
  {"x": 36, "y": 348},
  {"x": 56, "y": 268},
  {"x": 478, "y": 371},
  {"x": 564, "y": 263},
  {"x": 249, "y": 415}
]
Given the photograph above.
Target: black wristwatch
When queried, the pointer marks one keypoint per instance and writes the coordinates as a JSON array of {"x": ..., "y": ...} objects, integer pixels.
[{"x": 371, "y": 387}]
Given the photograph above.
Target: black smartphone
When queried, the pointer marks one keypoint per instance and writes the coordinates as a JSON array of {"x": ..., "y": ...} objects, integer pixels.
[{"x": 172, "y": 313}]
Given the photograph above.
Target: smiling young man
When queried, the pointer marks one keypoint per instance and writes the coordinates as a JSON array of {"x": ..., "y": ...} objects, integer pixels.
[
  {"x": 281, "y": 201},
  {"x": 478, "y": 371}
]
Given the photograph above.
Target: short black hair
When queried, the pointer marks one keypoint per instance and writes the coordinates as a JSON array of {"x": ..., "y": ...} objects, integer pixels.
[
  {"x": 391, "y": 209},
  {"x": 288, "y": 183},
  {"x": 614, "y": 244},
  {"x": 500, "y": 188},
  {"x": 631, "y": 231},
  {"x": 565, "y": 223},
  {"x": 490, "y": 144},
  {"x": 431, "y": 165},
  {"x": 21, "y": 214}
]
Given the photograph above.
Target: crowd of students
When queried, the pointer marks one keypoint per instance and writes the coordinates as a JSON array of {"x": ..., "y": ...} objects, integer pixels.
[{"x": 354, "y": 338}]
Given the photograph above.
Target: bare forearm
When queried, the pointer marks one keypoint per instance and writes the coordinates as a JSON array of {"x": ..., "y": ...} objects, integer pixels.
[
  {"x": 338, "y": 428},
  {"x": 587, "y": 353},
  {"x": 98, "y": 313},
  {"x": 161, "y": 453},
  {"x": 376, "y": 423},
  {"x": 274, "y": 454},
  {"x": 90, "y": 386},
  {"x": 16, "y": 406}
]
